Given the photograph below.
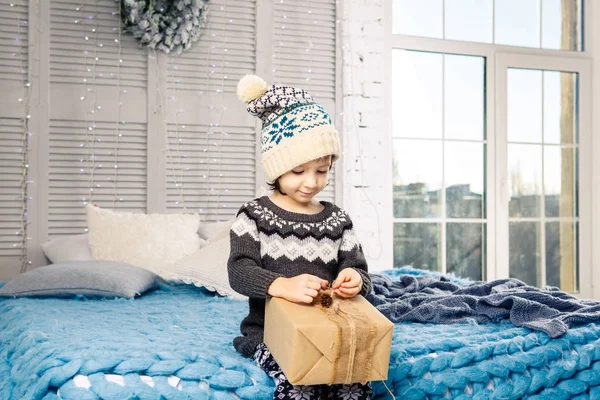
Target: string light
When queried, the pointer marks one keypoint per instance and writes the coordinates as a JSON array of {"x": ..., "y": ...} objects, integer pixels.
[
  {"x": 92, "y": 145},
  {"x": 96, "y": 157},
  {"x": 222, "y": 109},
  {"x": 163, "y": 107},
  {"x": 178, "y": 185},
  {"x": 308, "y": 46},
  {"x": 24, "y": 181},
  {"x": 88, "y": 145},
  {"x": 175, "y": 153},
  {"x": 206, "y": 161},
  {"x": 118, "y": 122}
]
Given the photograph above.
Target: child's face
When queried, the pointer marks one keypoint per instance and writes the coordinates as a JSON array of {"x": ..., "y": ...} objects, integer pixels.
[{"x": 306, "y": 181}]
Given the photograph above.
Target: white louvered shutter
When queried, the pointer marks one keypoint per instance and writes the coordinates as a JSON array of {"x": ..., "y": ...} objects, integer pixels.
[
  {"x": 103, "y": 110},
  {"x": 304, "y": 54},
  {"x": 13, "y": 75},
  {"x": 93, "y": 155},
  {"x": 211, "y": 138}
]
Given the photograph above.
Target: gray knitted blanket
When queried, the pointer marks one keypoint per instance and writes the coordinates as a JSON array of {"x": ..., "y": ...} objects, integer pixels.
[{"x": 438, "y": 300}]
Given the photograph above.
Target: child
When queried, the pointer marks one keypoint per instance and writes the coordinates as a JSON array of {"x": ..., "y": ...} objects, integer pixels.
[{"x": 289, "y": 245}]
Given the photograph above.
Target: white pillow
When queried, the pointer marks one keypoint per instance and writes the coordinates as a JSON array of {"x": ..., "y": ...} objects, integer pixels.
[
  {"x": 150, "y": 241},
  {"x": 209, "y": 231},
  {"x": 68, "y": 248},
  {"x": 207, "y": 267}
]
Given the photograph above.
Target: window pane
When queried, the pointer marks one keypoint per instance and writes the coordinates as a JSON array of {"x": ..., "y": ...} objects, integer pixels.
[
  {"x": 469, "y": 20},
  {"x": 417, "y": 178},
  {"x": 465, "y": 250},
  {"x": 560, "y": 181},
  {"x": 524, "y": 252},
  {"x": 560, "y": 16},
  {"x": 560, "y": 112},
  {"x": 524, "y": 180},
  {"x": 417, "y": 94},
  {"x": 549, "y": 24},
  {"x": 417, "y": 245},
  {"x": 418, "y": 18},
  {"x": 517, "y": 22},
  {"x": 464, "y": 97},
  {"x": 465, "y": 180},
  {"x": 546, "y": 170},
  {"x": 562, "y": 267},
  {"x": 524, "y": 105}
]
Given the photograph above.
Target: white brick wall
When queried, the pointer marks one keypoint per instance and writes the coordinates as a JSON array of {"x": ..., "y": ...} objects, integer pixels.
[{"x": 365, "y": 135}]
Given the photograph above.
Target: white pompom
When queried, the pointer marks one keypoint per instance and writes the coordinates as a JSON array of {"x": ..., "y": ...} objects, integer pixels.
[{"x": 251, "y": 87}]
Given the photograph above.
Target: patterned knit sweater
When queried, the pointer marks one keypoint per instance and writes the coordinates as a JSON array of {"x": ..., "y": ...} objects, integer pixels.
[{"x": 268, "y": 242}]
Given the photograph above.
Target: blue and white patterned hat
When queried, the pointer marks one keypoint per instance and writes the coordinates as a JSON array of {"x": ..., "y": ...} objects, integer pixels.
[{"x": 295, "y": 129}]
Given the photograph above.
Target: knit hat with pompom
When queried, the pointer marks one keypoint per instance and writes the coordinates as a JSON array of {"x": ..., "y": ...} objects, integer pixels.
[{"x": 295, "y": 129}]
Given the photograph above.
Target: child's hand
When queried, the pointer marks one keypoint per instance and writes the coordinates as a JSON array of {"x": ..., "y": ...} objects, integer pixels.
[
  {"x": 299, "y": 289},
  {"x": 348, "y": 283}
]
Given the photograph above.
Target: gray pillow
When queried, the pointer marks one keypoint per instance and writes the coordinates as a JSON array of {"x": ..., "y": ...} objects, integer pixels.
[{"x": 96, "y": 278}]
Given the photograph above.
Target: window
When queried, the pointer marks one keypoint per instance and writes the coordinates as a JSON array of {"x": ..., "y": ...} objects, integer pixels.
[
  {"x": 544, "y": 183},
  {"x": 490, "y": 143},
  {"x": 542, "y": 150},
  {"x": 438, "y": 159},
  {"x": 526, "y": 23}
]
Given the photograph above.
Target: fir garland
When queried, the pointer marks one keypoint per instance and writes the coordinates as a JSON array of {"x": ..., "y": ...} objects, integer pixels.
[{"x": 167, "y": 25}]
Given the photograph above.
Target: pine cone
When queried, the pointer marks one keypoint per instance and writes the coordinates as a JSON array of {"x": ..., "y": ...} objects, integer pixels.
[{"x": 326, "y": 300}]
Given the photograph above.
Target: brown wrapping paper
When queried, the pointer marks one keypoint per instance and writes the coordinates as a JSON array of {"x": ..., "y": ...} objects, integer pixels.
[{"x": 345, "y": 343}]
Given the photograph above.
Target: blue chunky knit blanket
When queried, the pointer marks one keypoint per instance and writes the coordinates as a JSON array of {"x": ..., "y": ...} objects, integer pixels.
[
  {"x": 437, "y": 299},
  {"x": 177, "y": 330},
  {"x": 186, "y": 332}
]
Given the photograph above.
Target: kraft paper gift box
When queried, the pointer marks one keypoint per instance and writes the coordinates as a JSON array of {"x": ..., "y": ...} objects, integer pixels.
[{"x": 348, "y": 342}]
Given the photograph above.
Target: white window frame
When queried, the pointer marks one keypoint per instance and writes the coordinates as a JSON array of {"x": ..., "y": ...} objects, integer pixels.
[
  {"x": 582, "y": 67},
  {"x": 497, "y": 59}
]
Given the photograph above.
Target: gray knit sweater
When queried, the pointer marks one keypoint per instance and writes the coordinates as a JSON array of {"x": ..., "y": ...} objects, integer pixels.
[{"x": 268, "y": 242}]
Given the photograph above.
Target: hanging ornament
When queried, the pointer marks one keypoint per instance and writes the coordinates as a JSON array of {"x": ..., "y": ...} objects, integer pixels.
[{"x": 167, "y": 25}]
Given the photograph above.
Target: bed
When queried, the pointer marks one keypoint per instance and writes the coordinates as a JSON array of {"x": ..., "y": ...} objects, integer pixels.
[{"x": 175, "y": 343}]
